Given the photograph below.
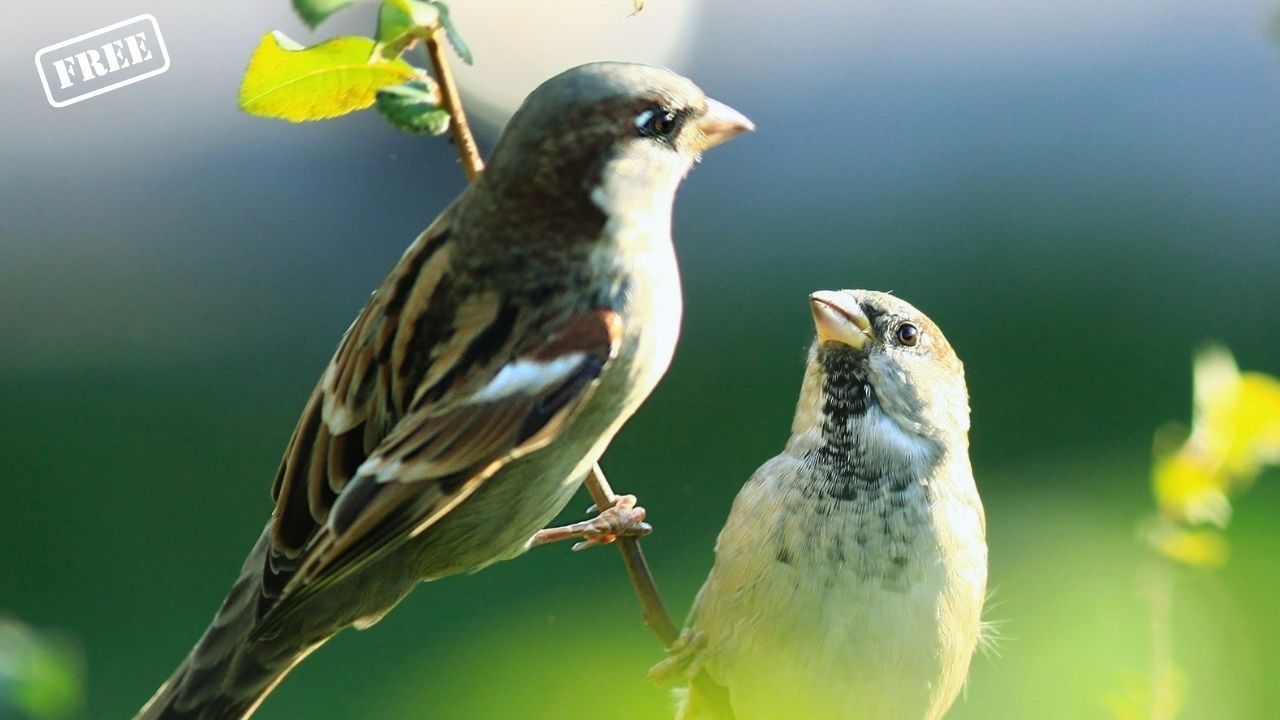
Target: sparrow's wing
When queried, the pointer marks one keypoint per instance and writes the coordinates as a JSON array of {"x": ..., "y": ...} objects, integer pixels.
[
  {"x": 408, "y": 342},
  {"x": 437, "y": 456},
  {"x": 430, "y": 393}
]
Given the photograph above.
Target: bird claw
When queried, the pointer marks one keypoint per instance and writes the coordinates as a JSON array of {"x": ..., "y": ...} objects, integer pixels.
[
  {"x": 685, "y": 659},
  {"x": 624, "y": 519}
]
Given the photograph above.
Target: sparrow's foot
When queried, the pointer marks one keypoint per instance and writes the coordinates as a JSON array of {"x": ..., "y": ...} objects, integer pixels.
[
  {"x": 624, "y": 519},
  {"x": 685, "y": 659}
]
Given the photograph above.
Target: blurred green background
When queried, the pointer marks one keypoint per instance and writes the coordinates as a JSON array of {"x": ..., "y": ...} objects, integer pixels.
[{"x": 1079, "y": 195}]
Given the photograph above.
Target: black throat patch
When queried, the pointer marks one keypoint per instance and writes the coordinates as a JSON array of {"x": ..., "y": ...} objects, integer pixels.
[
  {"x": 845, "y": 391},
  {"x": 848, "y": 468}
]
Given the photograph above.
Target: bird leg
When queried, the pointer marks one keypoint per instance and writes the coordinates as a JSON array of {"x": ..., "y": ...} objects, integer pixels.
[{"x": 624, "y": 519}]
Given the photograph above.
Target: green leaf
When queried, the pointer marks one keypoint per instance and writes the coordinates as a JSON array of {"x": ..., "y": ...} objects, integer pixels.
[
  {"x": 451, "y": 31},
  {"x": 330, "y": 79},
  {"x": 395, "y": 30},
  {"x": 414, "y": 107},
  {"x": 400, "y": 22},
  {"x": 314, "y": 12},
  {"x": 421, "y": 14},
  {"x": 393, "y": 22}
]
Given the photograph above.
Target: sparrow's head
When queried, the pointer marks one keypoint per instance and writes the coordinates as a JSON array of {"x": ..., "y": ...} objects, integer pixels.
[
  {"x": 879, "y": 360},
  {"x": 609, "y": 133}
]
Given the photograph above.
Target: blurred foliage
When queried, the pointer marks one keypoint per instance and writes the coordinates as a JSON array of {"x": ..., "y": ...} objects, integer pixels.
[
  {"x": 41, "y": 675},
  {"x": 1135, "y": 702},
  {"x": 1235, "y": 434}
]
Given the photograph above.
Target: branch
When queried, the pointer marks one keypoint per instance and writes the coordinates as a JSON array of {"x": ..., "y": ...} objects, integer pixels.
[
  {"x": 655, "y": 612},
  {"x": 463, "y": 141}
]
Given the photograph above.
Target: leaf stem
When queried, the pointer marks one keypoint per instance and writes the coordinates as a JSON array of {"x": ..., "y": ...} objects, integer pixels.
[
  {"x": 654, "y": 611},
  {"x": 464, "y": 142},
  {"x": 1164, "y": 696}
]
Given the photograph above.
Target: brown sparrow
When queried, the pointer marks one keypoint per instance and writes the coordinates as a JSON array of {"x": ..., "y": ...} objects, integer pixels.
[{"x": 481, "y": 383}]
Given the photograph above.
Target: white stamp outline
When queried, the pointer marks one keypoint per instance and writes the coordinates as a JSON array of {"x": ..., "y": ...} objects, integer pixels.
[{"x": 164, "y": 53}]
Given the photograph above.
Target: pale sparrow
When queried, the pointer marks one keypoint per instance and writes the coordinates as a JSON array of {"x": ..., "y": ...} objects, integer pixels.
[
  {"x": 850, "y": 578},
  {"x": 480, "y": 384}
]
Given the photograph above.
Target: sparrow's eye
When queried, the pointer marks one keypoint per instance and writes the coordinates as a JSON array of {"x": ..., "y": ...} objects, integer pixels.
[
  {"x": 658, "y": 123},
  {"x": 908, "y": 334}
]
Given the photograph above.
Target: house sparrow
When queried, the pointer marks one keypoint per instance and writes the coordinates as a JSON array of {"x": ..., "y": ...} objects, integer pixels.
[
  {"x": 850, "y": 578},
  {"x": 481, "y": 383}
]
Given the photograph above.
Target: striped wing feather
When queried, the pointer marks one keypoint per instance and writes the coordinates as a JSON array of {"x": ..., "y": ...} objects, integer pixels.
[{"x": 416, "y": 410}]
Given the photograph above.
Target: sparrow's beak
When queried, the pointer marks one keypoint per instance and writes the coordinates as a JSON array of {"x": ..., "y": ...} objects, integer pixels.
[
  {"x": 839, "y": 318},
  {"x": 719, "y": 124}
]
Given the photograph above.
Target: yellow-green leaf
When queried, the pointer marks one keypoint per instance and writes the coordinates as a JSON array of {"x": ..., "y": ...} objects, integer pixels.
[
  {"x": 1255, "y": 429},
  {"x": 330, "y": 79},
  {"x": 1237, "y": 416},
  {"x": 1190, "y": 488}
]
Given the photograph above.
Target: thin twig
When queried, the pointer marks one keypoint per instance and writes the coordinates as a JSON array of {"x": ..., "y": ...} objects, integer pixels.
[
  {"x": 463, "y": 141},
  {"x": 654, "y": 611}
]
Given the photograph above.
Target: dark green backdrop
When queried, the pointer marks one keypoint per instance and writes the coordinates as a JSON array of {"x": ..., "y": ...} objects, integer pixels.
[{"x": 1078, "y": 210}]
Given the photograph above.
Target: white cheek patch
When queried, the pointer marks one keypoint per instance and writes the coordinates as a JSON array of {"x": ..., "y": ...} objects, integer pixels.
[
  {"x": 526, "y": 377},
  {"x": 897, "y": 441},
  {"x": 638, "y": 188}
]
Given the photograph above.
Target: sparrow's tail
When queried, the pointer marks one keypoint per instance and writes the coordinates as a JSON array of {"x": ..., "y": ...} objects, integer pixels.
[{"x": 228, "y": 672}]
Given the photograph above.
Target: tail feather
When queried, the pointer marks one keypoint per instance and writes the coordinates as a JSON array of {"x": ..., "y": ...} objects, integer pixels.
[{"x": 228, "y": 673}]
